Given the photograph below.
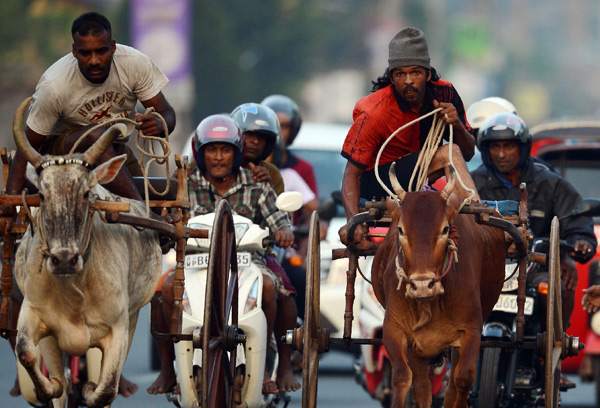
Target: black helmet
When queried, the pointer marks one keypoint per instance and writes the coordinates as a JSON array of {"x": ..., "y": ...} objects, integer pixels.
[
  {"x": 284, "y": 105},
  {"x": 218, "y": 129},
  {"x": 260, "y": 119},
  {"x": 504, "y": 126}
]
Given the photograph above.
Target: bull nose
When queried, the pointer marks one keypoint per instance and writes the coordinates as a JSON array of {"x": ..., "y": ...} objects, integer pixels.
[
  {"x": 423, "y": 289},
  {"x": 64, "y": 262}
]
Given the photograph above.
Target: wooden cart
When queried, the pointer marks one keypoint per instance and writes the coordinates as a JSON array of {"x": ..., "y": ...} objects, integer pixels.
[{"x": 552, "y": 345}]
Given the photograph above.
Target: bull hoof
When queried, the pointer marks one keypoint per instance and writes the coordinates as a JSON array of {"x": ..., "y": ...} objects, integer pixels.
[
  {"x": 53, "y": 391},
  {"x": 93, "y": 399}
]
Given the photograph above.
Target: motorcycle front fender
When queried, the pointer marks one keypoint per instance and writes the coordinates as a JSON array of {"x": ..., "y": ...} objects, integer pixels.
[{"x": 497, "y": 330}]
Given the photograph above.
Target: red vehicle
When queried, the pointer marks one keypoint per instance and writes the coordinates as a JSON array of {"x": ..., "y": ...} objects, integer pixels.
[{"x": 573, "y": 149}]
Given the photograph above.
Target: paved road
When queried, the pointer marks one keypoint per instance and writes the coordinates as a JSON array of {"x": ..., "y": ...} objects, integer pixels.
[{"x": 337, "y": 388}]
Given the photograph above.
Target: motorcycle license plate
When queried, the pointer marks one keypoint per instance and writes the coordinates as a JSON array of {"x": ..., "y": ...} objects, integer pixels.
[
  {"x": 508, "y": 303},
  {"x": 201, "y": 260}
]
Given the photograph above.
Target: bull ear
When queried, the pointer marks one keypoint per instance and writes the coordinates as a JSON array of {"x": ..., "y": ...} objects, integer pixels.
[
  {"x": 32, "y": 175},
  {"x": 107, "y": 171}
]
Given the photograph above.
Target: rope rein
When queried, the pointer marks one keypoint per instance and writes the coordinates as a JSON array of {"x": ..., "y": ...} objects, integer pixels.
[
  {"x": 434, "y": 137},
  {"x": 146, "y": 148}
]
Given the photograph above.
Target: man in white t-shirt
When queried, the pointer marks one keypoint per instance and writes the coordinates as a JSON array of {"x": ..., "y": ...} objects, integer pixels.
[{"x": 99, "y": 80}]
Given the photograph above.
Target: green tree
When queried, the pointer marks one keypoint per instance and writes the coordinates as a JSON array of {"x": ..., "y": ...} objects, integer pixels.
[{"x": 246, "y": 50}]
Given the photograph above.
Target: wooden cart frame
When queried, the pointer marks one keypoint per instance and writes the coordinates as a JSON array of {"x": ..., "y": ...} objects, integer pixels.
[
  {"x": 553, "y": 345},
  {"x": 219, "y": 335}
]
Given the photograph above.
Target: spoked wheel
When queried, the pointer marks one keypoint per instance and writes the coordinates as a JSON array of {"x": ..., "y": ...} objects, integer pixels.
[
  {"x": 219, "y": 330},
  {"x": 312, "y": 334},
  {"x": 554, "y": 329}
]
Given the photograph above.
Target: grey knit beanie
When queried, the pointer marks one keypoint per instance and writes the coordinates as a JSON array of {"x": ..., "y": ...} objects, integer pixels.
[{"x": 409, "y": 47}]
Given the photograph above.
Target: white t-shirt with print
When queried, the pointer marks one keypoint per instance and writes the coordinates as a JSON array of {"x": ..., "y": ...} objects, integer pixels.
[{"x": 65, "y": 99}]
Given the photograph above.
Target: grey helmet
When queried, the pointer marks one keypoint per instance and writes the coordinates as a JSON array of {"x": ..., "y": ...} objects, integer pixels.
[
  {"x": 504, "y": 126},
  {"x": 260, "y": 119}
]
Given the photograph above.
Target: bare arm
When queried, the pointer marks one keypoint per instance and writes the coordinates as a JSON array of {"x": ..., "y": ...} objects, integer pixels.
[
  {"x": 462, "y": 137},
  {"x": 351, "y": 189},
  {"x": 351, "y": 198},
  {"x": 151, "y": 125}
]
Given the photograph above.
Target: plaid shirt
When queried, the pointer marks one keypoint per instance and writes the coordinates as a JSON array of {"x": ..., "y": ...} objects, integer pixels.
[{"x": 247, "y": 197}]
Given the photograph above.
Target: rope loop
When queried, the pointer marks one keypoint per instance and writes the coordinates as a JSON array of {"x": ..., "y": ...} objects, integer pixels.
[
  {"x": 144, "y": 145},
  {"x": 433, "y": 140}
]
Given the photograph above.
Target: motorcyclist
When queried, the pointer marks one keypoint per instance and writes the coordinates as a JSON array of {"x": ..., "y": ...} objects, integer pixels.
[
  {"x": 261, "y": 130},
  {"x": 218, "y": 146},
  {"x": 505, "y": 145}
]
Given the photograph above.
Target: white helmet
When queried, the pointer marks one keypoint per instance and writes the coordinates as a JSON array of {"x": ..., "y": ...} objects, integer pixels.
[{"x": 483, "y": 109}]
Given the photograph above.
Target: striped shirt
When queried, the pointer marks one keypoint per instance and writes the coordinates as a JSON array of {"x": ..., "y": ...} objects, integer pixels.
[{"x": 247, "y": 197}]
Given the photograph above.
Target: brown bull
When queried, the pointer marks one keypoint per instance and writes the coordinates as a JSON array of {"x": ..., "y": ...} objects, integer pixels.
[{"x": 433, "y": 300}]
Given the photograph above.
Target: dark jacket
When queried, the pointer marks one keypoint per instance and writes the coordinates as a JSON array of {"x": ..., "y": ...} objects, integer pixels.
[{"x": 548, "y": 195}]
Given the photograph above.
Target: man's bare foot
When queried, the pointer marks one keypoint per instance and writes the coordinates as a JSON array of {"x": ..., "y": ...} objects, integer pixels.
[
  {"x": 126, "y": 387},
  {"x": 286, "y": 381},
  {"x": 15, "y": 391},
  {"x": 163, "y": 383},
  {"x": 269, "y": 387}
]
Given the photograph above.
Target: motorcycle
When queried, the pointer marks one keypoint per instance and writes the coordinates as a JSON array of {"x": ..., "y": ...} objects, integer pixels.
[
  {"x": 515, "y": 376},
  {"x": 511, "y": 376},
  {"x": 253, "y": 356},
  {"x": 373, "y": 369}
]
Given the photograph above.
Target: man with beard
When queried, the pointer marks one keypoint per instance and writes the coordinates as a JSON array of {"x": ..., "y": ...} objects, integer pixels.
[{"x": 409, "y": 89}]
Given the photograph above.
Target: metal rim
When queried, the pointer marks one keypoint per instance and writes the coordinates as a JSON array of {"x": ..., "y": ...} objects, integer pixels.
[
  {"x": 220, "y": 314},
  {"x": 310, "y": 348},
  {"x": 554, "y": 329}
]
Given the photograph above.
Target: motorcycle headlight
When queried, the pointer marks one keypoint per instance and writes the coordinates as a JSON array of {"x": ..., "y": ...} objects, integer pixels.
[
  {"x": 199, "y": 242},
  {"x": 252, "y": 299},
  {"x": 240, "y": 230}
]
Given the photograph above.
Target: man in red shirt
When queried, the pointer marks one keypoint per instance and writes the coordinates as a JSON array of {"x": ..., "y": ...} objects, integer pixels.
[{"x": 409, "y": 89}]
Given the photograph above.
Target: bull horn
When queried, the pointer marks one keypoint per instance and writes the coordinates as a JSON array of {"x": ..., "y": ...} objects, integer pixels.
[
  {"x": 395, "y": 184},
  {"x": 450, "y": 183},
  {"x": 23, "y": 145},
  {"x": 93, "y": 153}
]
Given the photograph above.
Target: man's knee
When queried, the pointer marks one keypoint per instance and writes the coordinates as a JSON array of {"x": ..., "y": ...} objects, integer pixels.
[{"x": 268, "y": 288}]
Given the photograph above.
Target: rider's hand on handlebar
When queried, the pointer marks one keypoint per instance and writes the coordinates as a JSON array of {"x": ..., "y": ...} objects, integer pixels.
[
  {"x": 285, "y": 237},
  {"x": 584, "y": 251},
  {"x": 591, "y": 299}
]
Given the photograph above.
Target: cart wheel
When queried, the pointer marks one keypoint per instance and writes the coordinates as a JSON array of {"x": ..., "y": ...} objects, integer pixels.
[
  {"x": 219, "y": 331},
  {"x": 311, "y": 337},
  {"x": 554, "y": 329}
]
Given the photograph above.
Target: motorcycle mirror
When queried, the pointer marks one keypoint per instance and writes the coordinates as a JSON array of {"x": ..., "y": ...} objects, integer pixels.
[
  {"x": 289, "y": 201},
  {"x": 337, "y": 197},
  {"x": 587, "y": 206}
]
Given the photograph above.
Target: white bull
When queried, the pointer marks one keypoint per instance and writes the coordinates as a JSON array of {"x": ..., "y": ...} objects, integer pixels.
[{"x": 83, "y": 281}]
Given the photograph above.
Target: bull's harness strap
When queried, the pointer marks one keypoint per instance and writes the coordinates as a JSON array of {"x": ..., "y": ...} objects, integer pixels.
[{"x": 451, "y": 259}]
